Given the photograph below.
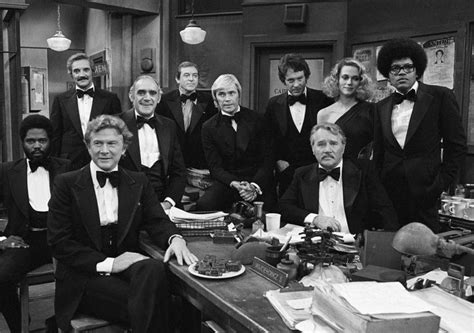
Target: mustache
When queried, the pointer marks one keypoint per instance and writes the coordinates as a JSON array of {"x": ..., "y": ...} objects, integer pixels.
[{"x": 83, "y": 78}]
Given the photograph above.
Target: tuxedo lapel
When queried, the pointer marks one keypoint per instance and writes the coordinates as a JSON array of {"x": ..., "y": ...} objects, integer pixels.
[
  {"x": 310, "y": 190},
  {"x": 311, "y": 112},
  {"x": 98, "y": 104},
  {"x": 133, "y": 149},
  {"x": 386, "y": 120},
  {"x": 281, "y": 113},
  {"x": 19, "y": 187},
  {"x": 225, "y": 135},
  {"x": 177, "y": 111},
  {"x": 164, "y": 142},
  {"x": 85, "y": 196},
  {"x": 421, "y": 106},
  {"x": 351, "y": 179},
  {"x": 73, "y": 112},
  {"x": 243, "y": 134},
  {"x": 198, "y": 111},
  {"x": 129, "y": 194}
]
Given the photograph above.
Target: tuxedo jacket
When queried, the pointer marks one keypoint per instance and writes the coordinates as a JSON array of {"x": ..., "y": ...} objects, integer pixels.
[
  {"x": 241, "y": 155},
  {"x": 74, "y": 232},
  {"x": 190, "y": 140},
  {"x": 277, "y": 117},
  {"x": 366, "y": 203},
  {"x": 67, "y": 140},
  {"x": 174, "y": 171},
  {"x": 435, "y": 117},
  {"x": 14, "y": 192}
]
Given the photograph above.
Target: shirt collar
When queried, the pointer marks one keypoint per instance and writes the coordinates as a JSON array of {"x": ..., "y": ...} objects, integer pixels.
[
  {"x": 91, "y": 87},
  {"x": 230, "y": 115},
  {"x": 337, "y": 166},
  {"x": 139, "y": 115},
  {"x": 304, "y": 92},
  {"x": 182, "y": 92},
  {"x": 413, "y": 87},
  {"x": 94, "y": 168}
]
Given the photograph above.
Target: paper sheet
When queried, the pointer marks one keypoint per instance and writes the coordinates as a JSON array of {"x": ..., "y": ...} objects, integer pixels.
[
  {"x": 179, "y": 214},
  {"x": 379, "y": 298}
]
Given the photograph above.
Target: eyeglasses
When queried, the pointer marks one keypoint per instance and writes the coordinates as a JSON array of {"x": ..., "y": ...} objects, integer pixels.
[{"x": 407, "y": 68}]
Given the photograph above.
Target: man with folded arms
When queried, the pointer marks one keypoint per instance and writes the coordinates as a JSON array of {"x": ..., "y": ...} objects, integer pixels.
[
  {"x": 25, "y": 192},
  {"x": 336, "y": 193},
  {"x": 95, "y": 217},
  {"x": 72, "y": 110}
]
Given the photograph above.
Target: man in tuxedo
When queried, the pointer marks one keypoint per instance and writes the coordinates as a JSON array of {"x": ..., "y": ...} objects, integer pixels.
[
  {"x": 290, "y": 116},
  {"x": 419, "y": 140},
  {"x": 236, "y": 146},
  {"x": 339, "y": 193},
  {"x": 24, "y": 192},
  {"x": 72, "y": 110},
  {"x": 189, "y": 109},
  {"x": 154, "y": 148},
  {"x": 95, "y": 217}
]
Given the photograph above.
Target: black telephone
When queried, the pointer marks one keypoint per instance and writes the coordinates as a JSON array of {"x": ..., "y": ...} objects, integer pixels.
[{"x": 243, "y": 212}]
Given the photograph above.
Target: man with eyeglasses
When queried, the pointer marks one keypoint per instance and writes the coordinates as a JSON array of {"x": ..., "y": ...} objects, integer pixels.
[{"x": 419, "y": 140}]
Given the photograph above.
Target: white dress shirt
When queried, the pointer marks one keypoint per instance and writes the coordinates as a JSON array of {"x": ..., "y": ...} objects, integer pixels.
[
  {"x": 298, "y": 112},
  {"x": 234, "y": 123},
  {"x": 107, "y": 197},
  {"x": 401, "y": 115},
  {"x": 331, "y": 201},
  {"x": 187, "y": 108},
  {"x": 38, "y": 188},
  {"x": 84, "y": 105},
  {"x": 148, "y": 143}
]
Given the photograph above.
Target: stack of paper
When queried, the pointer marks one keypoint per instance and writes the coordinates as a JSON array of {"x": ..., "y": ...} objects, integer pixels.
[
  {"x": 293, "y": 307},
  {"x": 196, "y": 221}
]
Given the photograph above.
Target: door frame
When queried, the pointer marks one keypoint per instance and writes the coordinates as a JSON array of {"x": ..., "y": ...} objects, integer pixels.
[{"x": 336, "y": 41}]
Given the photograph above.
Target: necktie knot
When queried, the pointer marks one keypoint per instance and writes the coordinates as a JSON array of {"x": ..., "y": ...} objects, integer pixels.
[
  {"x": 142, "y": 121},
  {"x": 35, "y": 164},
  {"x": 334, "y": 173},
  {"x": 80, "y": 93},
  {"x": 112, "y": 176},
  {"x": 293, "y": 99},
  {"x": 410, "y": 96},
  {"x": 191, "y": 97}
]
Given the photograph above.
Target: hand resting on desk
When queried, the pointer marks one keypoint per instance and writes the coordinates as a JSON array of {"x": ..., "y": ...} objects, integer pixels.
[
  {"x": 324, "y": 222},
  {"x": 180, "y": 250}
]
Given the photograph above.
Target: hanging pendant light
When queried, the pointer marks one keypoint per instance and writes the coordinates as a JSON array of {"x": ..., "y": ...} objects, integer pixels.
[
  {"x": 192, "y": 34},
  {"x": 58, "y": 42}
]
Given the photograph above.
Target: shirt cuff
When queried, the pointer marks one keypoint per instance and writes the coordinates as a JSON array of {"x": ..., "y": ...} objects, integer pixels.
[
  {"x": 310, "y": 217},
  {"x": 105, "y": 266},
  {"x": 2, "y": 238},
  {"x": 173, "y": 236},
  {"x": 259, "y": 190},
  {"x": 171, "y": 201}
]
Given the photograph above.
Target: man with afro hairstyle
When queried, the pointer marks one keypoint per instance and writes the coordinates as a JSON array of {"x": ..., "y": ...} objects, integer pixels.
[{"x": 419, "y": 140}]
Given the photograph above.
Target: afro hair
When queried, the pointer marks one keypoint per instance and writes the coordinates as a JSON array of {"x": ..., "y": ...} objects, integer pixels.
[{"x": 400, "y": 48}]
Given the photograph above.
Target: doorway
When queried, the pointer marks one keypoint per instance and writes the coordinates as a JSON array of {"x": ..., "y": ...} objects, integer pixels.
[{"x": 267, "y": 84}]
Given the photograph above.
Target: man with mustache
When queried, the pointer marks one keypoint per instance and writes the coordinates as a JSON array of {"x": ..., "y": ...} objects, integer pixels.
[
  {"x": 419, "y": 139},
  {"x": 336, "y": 193},
  {"x": 25, "y": 187},
  {"x": 72, "y": 110},
  {"x": 290, "y": 117},
  {"x": 154, "y": 149}
]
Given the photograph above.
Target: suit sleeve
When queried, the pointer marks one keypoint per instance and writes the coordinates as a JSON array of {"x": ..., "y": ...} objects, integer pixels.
[
  {"x": 454, "y": 139},
  {"x": 57, "y": 122},
  {"x": 265, "y": 171},
  {"x": 378, "y": 145},
  {"x": 271, "y": 130},
  {"x": 289, "y": 203},
  {"x": 61, "y": 230},
  {"x": 176, "y": 170}
]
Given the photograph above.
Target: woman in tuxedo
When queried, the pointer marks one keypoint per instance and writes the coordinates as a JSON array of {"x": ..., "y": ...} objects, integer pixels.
[{"x": 351, "y": 87}]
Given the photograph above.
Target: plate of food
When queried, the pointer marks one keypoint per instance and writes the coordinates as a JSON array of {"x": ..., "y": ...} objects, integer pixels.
[{"x": 212, "y": 268}]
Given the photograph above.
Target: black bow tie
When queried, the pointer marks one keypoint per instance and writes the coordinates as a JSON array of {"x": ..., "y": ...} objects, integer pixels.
[
  {"x": 235, "y": 117},
  {"x": 334, "y": 173},
  {"x": 398, "y": 98},
  {"x": 34, "y": 164},
  {"x": 80, "y": 93},
  {"x": 293, "y": 99},
  {"x": 113, "y": 178},
  {"x": 191, "y": 97},
  {"x": 142, "y": 121}
]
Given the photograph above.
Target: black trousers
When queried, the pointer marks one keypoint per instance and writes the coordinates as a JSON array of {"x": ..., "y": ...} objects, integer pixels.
[
  {"x": 14, "y": 264},
  {"x": 138, "y": 297}
]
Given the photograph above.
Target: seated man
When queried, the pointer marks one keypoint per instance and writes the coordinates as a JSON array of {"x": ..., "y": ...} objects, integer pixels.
[
  {"x": 154, "y": 148},
  {"x": 25, "y": 192},
  {"x": 336, "y": 192},
  {"x": 95, "y": 216},
  {"x": 237, "y": 151}
]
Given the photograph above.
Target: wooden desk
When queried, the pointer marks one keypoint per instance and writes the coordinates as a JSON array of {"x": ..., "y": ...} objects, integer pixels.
[{"x": 236, "y": 304}]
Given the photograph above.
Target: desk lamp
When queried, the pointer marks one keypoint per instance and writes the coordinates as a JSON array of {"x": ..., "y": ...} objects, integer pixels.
[{"x": 417, "y": 239}]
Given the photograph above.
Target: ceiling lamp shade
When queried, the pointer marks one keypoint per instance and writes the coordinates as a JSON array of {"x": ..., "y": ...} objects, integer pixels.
[
  {"x": 58, "y": 42},
  {"x": 192, "y": 34}
]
